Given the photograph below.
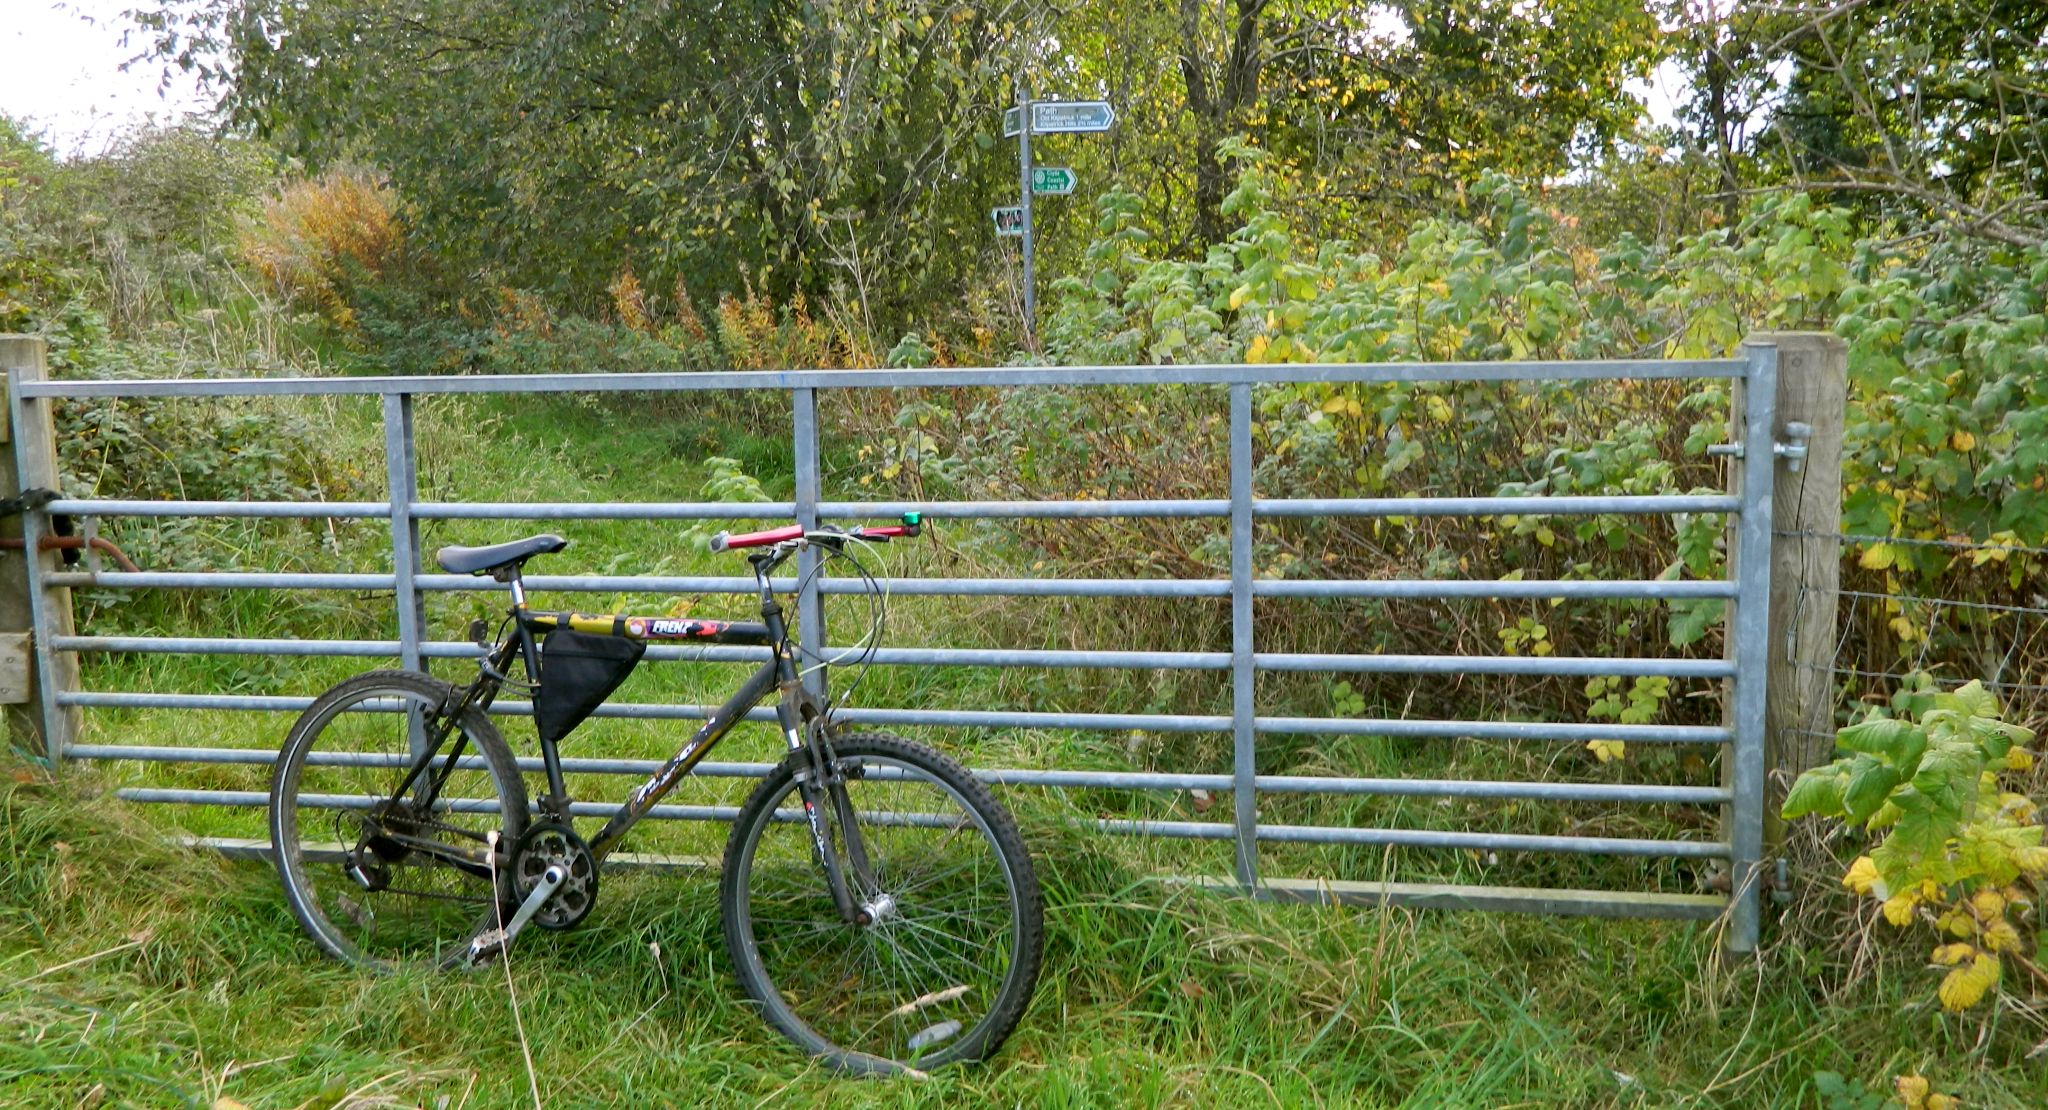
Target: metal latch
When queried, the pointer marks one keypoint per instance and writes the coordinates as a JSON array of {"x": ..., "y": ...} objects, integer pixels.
[{"x": 1793, "y": 452}]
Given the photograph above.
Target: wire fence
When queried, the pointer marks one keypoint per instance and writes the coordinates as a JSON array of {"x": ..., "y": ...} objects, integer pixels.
[{"x": 1889, "y": 642}]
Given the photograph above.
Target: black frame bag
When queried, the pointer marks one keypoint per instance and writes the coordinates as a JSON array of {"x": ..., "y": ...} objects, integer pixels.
[{"x": 578, "y": 670}]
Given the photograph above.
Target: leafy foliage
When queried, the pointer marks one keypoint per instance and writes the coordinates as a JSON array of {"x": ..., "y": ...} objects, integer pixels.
[{"x": 1959, "y": 853}]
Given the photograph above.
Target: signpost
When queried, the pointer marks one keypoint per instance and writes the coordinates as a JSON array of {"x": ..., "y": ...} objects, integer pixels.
[
  {"x": 1051, "y": 181},
  {"x": 1049, "y": 117}
]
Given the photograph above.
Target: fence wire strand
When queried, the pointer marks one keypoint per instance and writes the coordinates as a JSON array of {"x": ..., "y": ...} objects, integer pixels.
[{"x": 1936, "y": 645}]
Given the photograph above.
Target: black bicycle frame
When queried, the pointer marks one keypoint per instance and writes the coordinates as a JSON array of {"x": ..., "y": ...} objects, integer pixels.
[
  {"x": 778, "y": 673},
  {"x": 795, "y": 711}
]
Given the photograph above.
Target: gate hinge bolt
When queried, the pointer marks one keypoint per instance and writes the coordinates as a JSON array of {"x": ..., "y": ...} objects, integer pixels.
[
  {"x": 1730, "y": 450},
  {"x": 1794, "y": 452}
]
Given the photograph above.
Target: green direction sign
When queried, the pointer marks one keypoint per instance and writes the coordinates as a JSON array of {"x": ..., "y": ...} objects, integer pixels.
[
  {"x": 1053, "y": 117},
  {"x": 1051, "y": 181},
  {"x": 1009, "y": 221}
]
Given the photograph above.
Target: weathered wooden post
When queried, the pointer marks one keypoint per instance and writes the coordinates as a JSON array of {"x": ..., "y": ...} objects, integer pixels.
[
  {"x": 1806, "y": 499},
  {"x": 26, "y": 665}
]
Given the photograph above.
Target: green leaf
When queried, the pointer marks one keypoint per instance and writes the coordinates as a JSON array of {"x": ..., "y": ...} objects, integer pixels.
[
  {"x": 1816, "y": 791},
  {"x": 1948, "y": 777},
  {"x": 1869, "y": 788},
  {"x": 1876, "y": 736}
]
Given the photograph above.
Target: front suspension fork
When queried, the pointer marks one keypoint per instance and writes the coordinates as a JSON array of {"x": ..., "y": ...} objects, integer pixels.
[{"x": 822, "y": 786}]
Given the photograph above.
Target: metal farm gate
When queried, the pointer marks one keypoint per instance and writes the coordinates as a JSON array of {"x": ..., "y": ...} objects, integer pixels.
[{"x": 1740, "y": 797}]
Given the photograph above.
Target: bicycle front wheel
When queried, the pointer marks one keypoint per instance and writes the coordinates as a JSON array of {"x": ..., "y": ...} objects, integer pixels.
[
  {"x": 947, "y": 963},
  {"x": 376, "y": 876}
]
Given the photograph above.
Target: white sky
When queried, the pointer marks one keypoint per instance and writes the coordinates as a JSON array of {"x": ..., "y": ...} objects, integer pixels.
[{"x": 60, "y": 71}]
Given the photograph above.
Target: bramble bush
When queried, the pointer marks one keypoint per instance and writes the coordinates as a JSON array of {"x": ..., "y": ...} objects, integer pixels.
[
  {"x": 1949, "y": 386},
  {"x": 1959, "y": 853}
]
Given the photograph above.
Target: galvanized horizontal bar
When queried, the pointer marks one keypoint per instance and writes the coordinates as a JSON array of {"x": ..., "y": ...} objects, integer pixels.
[
  {"x": 615, "y": 510},
  {"x": 1012, "y": 776},
  {"x": 943, "y": 718},
  {"x": 1569, "y": 731},
  {"x": 1423, "y": 838},
  {"x": 219, "y": 580},
  {"x": 1566, "y": 731},
  {"x": 967, "y": 657},
  {"x": 1456, "y": 588},
  {"x": 1497, "y": 842},
  {"x": 234, "y": 847},
  {"x": 1578, "y": 666},
  {"x": 309, "y": 509},
  {"x": 950, "y": 377},
  {"x": 1026, "y": 510},
  {"x": 1493, "y": 506},
  {"x": 1498, "y": 899},
  {"x": 912, "y": 587}
]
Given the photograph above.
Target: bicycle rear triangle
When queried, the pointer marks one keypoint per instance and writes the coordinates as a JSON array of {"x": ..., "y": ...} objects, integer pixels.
[{"x": 880, "y": 907}]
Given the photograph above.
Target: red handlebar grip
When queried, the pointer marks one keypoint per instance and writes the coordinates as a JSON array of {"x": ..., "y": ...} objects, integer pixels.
[
  {"x": 884, "y": 531},
  {"x": 725, "y": 542}
]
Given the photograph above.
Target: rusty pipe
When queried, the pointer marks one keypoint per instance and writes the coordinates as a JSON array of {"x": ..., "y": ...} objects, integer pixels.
[{"x": 76, "y": 543}]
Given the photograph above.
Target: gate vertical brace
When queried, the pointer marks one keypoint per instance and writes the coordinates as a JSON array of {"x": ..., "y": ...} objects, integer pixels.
[
  {"x": 31, "y": 426},
  {"x": 401, "y": 483},
  {"x": 1243, "y": 738},
  {"x": 1748, "y": 645},
  {"x": 810, "y": 603}
]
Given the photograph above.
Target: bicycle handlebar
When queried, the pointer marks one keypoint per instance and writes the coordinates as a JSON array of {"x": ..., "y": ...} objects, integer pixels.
[{"x": 725, "y": 541}]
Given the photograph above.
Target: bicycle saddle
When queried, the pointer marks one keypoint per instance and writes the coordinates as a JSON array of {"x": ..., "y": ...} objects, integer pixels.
[{"x": 484, "y": 560}]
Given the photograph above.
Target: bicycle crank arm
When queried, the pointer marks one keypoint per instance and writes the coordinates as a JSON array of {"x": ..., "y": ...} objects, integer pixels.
[{"x": 501, "y": 939}]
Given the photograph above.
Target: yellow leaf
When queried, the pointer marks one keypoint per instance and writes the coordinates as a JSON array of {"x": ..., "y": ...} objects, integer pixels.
[
  {"x": 1949, "y": 955},
  {"x": 2033, "y": 859},
  {"x": 2019, "y": 759},
  {"x": 1988, "y": 903},
  {"x": 1963, "y": 441},
  {"x": 2001, "y": 936},
  {"x": 1238, "y": 296},
  {"x": 1957, "y": 924},
  {"x": 1877, "y": 557},
  {"x": 1965, "y": 986},
  {"x": 1898, "y": 909},
  {"x": 1862, "y": 875},
  {"x": 1336, "y": 404},
  {"x": 226, "y": 1103},
  {"x": 1942, "y": 1102},
  {"x": 1912, "y": 1090},
  {"x": 1257, "y": 349},
  {"x": 1606, "y": 751}
]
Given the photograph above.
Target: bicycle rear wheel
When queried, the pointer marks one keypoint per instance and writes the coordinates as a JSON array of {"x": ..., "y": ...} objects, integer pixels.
[
  {"x": 381, "y": 882},
  {"x": 948, "y": 964}
]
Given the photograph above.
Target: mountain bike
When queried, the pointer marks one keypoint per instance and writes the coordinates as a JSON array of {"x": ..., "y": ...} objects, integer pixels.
[{"x": 879, "y": 906}]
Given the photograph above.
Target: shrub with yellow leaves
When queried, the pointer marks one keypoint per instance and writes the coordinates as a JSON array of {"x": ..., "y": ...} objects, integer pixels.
[
  {"x": 318, "y": 235},
  {"x": 1958, "y": 852}
]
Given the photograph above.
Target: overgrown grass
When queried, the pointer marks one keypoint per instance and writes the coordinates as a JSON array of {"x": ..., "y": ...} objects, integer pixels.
[{"x": 160, "y": 977}]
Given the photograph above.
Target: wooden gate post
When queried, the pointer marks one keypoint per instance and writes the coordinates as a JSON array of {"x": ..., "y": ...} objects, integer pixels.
[
  {"x": 1806, "y": 568},
  {"x": 28, "y": 460}
]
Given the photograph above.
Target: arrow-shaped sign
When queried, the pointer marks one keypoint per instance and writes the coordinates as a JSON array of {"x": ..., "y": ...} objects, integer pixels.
[
  {"x": 1051, "y": 181},
  {"x": 1052, "y": 117}
]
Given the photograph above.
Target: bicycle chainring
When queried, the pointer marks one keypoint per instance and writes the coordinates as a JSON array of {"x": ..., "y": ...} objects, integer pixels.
[{"x": 546, "y": 845}]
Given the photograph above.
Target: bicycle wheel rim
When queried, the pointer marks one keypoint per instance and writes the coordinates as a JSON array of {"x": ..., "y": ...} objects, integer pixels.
[
  {"x": 929, "y": 982},
  {"x": 340, "y": 769}
]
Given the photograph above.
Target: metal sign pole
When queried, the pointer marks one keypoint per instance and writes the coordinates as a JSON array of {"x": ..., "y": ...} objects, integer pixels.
[{"x": 1024, "y": 189}]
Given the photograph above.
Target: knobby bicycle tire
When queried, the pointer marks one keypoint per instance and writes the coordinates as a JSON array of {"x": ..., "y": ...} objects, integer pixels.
[
  {"x": 320, "y": 790},
  {"x": 929, "y": 874}
]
